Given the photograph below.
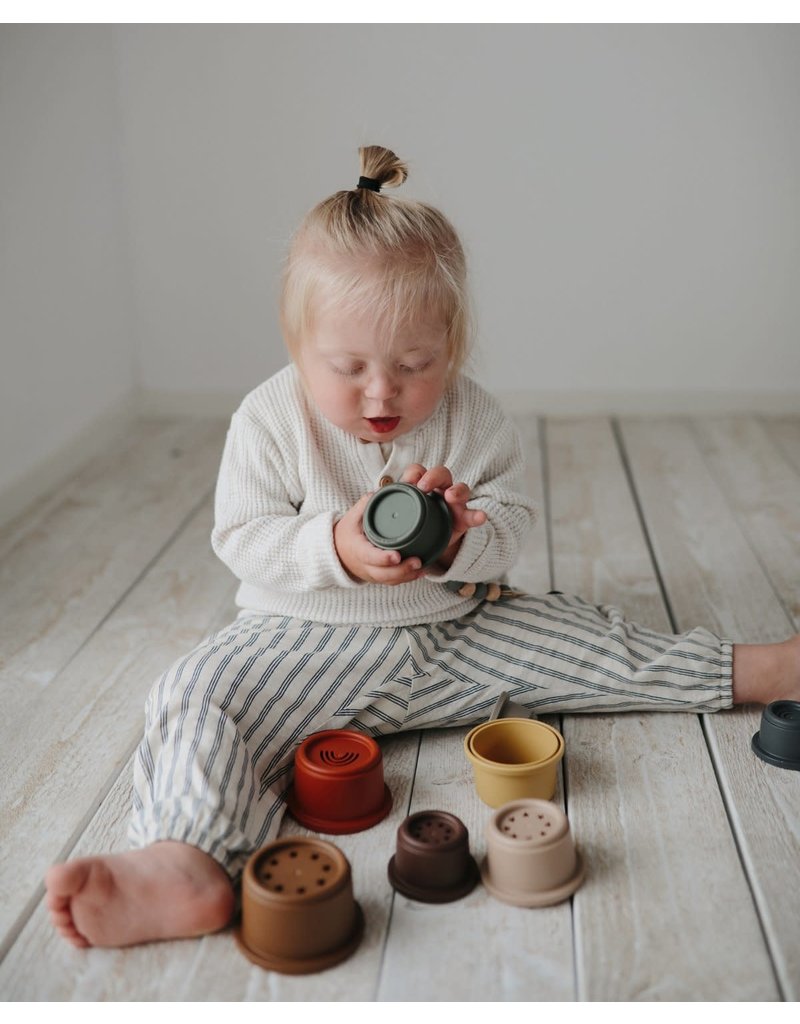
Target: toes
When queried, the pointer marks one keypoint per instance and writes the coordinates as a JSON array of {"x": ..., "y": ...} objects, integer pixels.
[
  {"x": 65, "y": 926},
  {"x": 74, "y": 938},
  {"x": 61, "y": 918},
  {"x": 56, "y": 903},
  {"x": 65, "y": 880}
]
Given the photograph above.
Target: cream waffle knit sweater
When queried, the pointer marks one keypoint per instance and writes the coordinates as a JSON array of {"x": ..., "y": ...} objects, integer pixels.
[{"x": 288, "y": 475}]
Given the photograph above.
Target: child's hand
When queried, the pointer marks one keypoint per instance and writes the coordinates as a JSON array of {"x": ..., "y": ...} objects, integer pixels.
[
  {"x": 440, "y": 479},
  {"x": 365, "y": 562}
]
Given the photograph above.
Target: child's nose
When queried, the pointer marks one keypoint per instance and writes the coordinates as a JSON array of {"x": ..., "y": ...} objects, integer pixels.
[{"x": 381, "y": 385}]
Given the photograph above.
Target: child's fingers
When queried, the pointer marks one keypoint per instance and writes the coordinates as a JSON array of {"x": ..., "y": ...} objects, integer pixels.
[
  {"x": 374, "y": 558},
  {"x": 458, "y": 493},
  {"x": 471, "y": 518},
  {"x": 409, "y": 569},
  {"x": 393, "y": 568},
  {"x": 380, "y": 558},
  {"x": 357, "y": 511},
  {"x": 408, "y": 566},
  {"x": 354, "y": 516},
  {"x": 465, "y": 518},
  {"x": 413, "y": 474},
  {"x": 437, "y": 478}
]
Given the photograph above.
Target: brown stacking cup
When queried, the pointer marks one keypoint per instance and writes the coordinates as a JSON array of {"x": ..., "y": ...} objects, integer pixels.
[
  {"x": 298, "y": 910},
  {"x": 432, "y": 862},
  {"x": 531, "y": 859}
]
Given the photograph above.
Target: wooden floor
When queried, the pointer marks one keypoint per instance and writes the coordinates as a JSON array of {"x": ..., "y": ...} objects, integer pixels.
[{"x": 692, "y": 844}]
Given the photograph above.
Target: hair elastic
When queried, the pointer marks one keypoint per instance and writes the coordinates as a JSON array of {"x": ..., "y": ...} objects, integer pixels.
[{"x": 371, "y": 183}]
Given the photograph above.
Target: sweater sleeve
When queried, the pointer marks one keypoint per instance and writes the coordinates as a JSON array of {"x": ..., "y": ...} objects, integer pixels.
[
  {"x": 260, "y": 530},
  {"x": 488, "y": 552}
]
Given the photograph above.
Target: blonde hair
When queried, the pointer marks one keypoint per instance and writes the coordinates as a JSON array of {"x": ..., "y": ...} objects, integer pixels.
[{"x": 399, "y": 260}]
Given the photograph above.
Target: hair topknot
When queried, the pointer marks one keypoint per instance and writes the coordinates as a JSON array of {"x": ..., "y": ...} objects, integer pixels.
[
  {"x": 393, "y": 259},
  {"x": 382, "y": 165}
]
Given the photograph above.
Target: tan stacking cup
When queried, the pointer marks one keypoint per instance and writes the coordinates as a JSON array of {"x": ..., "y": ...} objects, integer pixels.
[
  {"x": 298, "y": 910},
  {"x": 514, "y": 758},
  {"x": 531, "y": 860}
]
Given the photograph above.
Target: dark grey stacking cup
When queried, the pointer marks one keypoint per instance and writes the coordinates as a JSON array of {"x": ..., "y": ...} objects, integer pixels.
[
  {"x": 778, "y": 740},
  {"x": 400, "y": 517}
]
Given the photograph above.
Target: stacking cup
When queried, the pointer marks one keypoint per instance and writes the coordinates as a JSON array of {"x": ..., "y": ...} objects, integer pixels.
[
  {"x": 298, "y": 910},
  {"x": 400, "y": 517},
  {"x": 513, "y": 758},
  {"x": 338, "y": 783},
  {"x": 432, "y": 862},
  {"x": 531, "y": 859},
  {"x": 778, "y": 740}
]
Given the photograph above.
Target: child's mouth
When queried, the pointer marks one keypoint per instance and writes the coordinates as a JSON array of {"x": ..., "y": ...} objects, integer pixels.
[{"x": 383, "y": 424}]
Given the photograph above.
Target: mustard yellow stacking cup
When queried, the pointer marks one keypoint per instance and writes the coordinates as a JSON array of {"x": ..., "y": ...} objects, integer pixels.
[{"x": 514, "y": 759}]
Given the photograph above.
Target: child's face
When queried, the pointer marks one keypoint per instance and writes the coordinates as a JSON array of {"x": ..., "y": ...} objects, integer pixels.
[{"x": 373, "y": 394}]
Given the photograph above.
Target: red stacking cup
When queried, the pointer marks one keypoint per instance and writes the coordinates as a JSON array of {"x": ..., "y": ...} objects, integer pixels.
[{"x": 338, "y": 783}]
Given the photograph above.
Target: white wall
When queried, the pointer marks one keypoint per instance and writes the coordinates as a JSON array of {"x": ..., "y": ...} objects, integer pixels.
[
  {"x": 65, "y": 308},
  {"x": 627, "y": 194}
]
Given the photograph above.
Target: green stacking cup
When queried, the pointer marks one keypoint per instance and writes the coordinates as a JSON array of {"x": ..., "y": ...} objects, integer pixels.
[{"x": 400, "y": 517}]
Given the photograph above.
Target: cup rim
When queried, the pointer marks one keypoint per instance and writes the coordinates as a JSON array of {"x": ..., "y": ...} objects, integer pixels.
[
  {"x": 305, "y": 965},
  {"x": 435, "y": 894},
  {"x": 536, "y": 897},
  {"x": 792, "y": 764},
  {"x": 339, "y": 826},
  {"x": 498, "y": 767}
]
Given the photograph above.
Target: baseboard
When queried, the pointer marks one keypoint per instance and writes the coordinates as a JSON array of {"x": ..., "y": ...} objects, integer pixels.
[
  {"x": 50, "y": 472},
  {"x": 651, "y": 403},
  {"x": 47, "y": 474},
  {"x": 544, "y": 403}
]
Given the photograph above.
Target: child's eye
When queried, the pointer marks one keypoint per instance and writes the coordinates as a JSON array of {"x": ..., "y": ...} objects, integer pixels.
[
  {"x": 415, "y": 369},
  {"x": 347, "y": 371}
]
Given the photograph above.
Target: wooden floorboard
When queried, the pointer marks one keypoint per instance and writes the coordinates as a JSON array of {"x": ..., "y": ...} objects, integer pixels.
[
  {"x": 61, "y": 573},
  {"x": 475, "y": 948},
  {"x": 58, "y": 766},
  {"x": 720, "y": 498},
  {"x": 691, "y": 843},
  {"x": 41, "y": 965},
  {"x": 668, "y": 893}
]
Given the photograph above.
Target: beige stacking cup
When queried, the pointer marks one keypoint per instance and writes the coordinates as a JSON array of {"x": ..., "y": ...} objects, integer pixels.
[
  {"x": 531, "y": 859},
  {"x": 514, "y": 758}
]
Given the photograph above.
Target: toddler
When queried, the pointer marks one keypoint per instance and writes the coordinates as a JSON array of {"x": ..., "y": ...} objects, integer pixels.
[{"x": 334, "y": 632}]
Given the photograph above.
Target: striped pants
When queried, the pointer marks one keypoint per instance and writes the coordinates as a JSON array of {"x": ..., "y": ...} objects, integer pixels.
[{"x": 223, "y": 723}]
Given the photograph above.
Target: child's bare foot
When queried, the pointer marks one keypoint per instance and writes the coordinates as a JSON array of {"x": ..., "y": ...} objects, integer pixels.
[{"x": 168, "y": 890}]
